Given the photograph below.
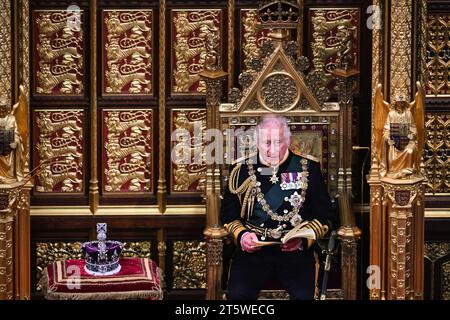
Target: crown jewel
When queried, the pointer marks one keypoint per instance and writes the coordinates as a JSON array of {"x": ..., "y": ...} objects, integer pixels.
[{"x": 102, "y": 256}]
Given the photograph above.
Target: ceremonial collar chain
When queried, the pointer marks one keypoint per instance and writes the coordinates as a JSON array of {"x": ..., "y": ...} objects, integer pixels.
[{"x": 296, "y": 199}]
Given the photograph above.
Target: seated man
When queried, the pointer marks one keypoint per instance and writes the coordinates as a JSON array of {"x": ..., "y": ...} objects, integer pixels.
[{"x": 263, "y": 201}]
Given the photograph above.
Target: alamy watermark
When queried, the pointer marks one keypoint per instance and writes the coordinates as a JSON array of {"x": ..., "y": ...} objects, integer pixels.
[{"x": 74, "y": 17}]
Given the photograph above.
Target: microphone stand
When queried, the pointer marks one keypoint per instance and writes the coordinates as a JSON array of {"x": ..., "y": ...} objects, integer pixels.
[{"x": 330, "y": 251}]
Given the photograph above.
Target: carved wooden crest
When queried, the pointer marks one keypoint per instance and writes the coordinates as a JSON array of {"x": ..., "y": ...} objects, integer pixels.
[{"x": 277, "y": 82}]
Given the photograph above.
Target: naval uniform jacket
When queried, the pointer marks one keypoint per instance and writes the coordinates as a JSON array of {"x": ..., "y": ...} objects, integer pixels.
[{"x": 300, "y": 184}]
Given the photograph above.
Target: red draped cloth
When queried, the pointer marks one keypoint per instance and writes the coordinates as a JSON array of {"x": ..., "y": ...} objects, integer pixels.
[{"x": 138, "y": 279}]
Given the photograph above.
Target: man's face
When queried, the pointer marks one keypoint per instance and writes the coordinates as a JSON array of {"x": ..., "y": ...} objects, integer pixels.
[{"x": 272, "y": 143}]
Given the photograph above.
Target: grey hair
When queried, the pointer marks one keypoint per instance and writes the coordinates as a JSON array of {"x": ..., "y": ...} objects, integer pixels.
[{"x": 282, "y": 122}]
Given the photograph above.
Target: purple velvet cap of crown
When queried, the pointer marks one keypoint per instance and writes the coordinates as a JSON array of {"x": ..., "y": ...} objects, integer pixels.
[
  {"x": 91, "y": 254},
  {"x": 91, "y": 247}
]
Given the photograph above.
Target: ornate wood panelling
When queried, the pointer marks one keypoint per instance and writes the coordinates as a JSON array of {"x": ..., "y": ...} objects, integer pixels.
[
  {"x": 127, "y": 51},
  {"x": 435, "y": 251},
  {"x": 48, "y": 252},
  {"x": 189, "y": 30},
  {"x": 58, "y": 56},
  {"x": 251, "y": 36},
  {"x": 59, "y": 149},
  {"x": 438, "y": 254},
  {"x": 141, "y": 249},
  {"x": 5, "y": 52},
  {"x": 334, "y": 36},
  {"x": 189, "y": 265},
  {"x": 437, "y": 153},
  {"x": 438, "y": 55},
  {"x": 127, "y": 150},
  {"x": 189, "y": 168}
]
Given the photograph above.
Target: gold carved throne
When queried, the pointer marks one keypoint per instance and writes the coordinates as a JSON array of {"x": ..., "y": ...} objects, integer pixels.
[{"x": 278, "y": 81}]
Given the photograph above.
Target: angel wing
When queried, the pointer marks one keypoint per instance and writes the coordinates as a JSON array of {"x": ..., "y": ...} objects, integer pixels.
[
  {"x": 381, "y": 113},
  {"x": 417, "y": 108},
  {"x": 20, "y": 112}
]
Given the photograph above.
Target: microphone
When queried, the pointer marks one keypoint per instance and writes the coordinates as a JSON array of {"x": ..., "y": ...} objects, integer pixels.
[{"x": 332, "y": 241}]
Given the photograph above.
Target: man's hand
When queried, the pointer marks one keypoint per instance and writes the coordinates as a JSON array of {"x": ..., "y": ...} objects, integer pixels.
[
  {"x": 292, "y": 245},
  {"x": 13, "y": 145},
  {"x": 247, "y": 243}
]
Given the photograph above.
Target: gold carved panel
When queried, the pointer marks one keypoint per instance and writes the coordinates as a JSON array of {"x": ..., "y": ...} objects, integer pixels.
[
  {"x": 445, "y": 280},
  {"x": 189, "y": 265},
  {"x": 59, "y": 151},
  {"x": 437, "y": 153},
  {"x": 252, "y": 36},
  {"x": 438, "y": 55},
  {"x": 58, "y": 63},
  {"x": 127, "y": 51},
  {"x": 137, "y": 249},
  {"x": 48, "y": 252},
  {"x": 127, "y": 150},
  {"x": 189, "y": 31},
  {"x": 334, "y": 36},
  {"x": 188, "y": 171},
  {"x": 5, "y": 52},
  {"x": 436, "y": 250}
]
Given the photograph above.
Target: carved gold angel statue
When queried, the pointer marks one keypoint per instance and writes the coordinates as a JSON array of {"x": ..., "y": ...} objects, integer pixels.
[
  {"x": 400, "y": 134},
  {"x": 13, "y": 140}
]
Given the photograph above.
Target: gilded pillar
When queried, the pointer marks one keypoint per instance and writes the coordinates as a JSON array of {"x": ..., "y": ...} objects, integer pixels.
[
  {"x": 22, "y": 225},
  {"x": 93, "y": 183},
  {"x": 214, "y": 76},
  {"x": 379, "y": 54},
  {"x": 349, "y": 233},
  {"x": 404, "y": 222},
  {"x": 8, "y": 212},
  {"x": 162, "y": 184}
]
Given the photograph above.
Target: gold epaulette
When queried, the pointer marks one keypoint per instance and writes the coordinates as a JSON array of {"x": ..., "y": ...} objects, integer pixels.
[{"x": 306, "y": 156}]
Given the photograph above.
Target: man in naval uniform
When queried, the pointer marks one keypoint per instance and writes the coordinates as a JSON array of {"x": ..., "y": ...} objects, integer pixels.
[{"x": 264, "y": 199}]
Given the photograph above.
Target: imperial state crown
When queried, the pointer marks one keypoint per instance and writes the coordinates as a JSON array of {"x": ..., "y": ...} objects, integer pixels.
[{"x": 102, "y": 256}]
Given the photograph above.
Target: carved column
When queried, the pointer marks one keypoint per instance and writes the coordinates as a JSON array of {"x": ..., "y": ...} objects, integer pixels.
[
  {"x": 404, "y": 208},
  {"x": 214, "y": 233},
  {"x": 93, "y": 183},
  {"x": 8, "y": 213},
  {"x": 349, "y": 233},
  {"x": 162, "y": 183},
  {"x": 22, "y": 245}
]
